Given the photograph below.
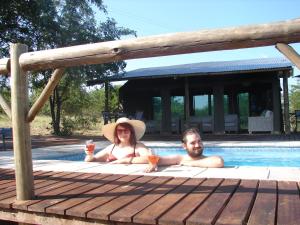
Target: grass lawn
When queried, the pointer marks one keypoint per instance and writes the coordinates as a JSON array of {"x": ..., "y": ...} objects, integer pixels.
[{"x": 41, "y": 126}]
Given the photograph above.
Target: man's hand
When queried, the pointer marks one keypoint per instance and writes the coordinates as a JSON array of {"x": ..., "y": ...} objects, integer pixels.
[{"x": 151, "y": 168}]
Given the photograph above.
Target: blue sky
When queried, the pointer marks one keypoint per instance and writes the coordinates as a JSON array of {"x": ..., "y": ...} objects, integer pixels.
[{"x": 153, "y": 17}]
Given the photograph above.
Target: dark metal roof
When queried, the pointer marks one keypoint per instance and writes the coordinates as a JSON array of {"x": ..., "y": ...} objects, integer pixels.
[{"x": 207, "y": 68}]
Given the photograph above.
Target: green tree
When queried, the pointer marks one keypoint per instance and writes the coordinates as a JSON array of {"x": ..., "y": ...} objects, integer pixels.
[
  {"x": 295, "y": 97},
  {"x": 45, "y": 24}
]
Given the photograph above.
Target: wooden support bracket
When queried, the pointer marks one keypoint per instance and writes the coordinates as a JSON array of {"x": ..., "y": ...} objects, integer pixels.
[
  {"x": 290, "y": 53},
  {"x": 5, "y": 106},
  {"x": 40, "y": 102},
  {"x": 4, "y": 66}
]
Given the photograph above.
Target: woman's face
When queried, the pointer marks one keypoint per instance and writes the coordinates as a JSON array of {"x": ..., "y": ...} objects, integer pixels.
[{"x": 123, "y": 133}]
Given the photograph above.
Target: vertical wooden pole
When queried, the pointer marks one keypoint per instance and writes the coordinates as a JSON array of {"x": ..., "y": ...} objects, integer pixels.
[
  {"x": 187, "y": 101},
  {"x": 106, "y": 102},
  {"x": 286, "y": 106},
  {"x": 21, "y": 128},
  {"x": 276, "y": 105},
  {"x": 209, "y": 105},
  {"x": 166, "y": 111},
  {"x": 218, "y": 114}
]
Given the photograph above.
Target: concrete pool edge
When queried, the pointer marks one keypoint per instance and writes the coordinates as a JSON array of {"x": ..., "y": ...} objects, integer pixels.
[{"x": 242, "y": 172}]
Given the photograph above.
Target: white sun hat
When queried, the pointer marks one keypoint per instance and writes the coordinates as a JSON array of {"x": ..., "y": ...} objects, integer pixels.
[{"x": 138, "y": 126}]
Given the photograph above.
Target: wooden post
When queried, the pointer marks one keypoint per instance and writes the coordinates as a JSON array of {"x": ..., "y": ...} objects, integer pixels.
[
  {"x": 209, "y": 104},
  {"x": 218, "y": 115},
  {"x": 21, "y": 128},
  {"x": 286, "y": 107},
  {"x": 276, "y": 105},
  {"x": 166, "y": 111},
  {"x": 106, "y": 107},
  {"x": 187, "y": 101}
]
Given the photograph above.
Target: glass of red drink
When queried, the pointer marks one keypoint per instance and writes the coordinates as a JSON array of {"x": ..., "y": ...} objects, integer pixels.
[{"x": 90, "y": 146}]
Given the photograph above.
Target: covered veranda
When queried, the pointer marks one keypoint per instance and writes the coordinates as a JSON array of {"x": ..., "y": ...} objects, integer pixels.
[{"x": 226, "y": 86}]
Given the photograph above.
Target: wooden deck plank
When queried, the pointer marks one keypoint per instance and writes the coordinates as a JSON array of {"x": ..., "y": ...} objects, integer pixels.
[
  {"x": 106, "y": 198},
  {"x": 12, "y": 184},
  {"x": 53, "y": 182},
  {"x": 178, "y": 214},
  {"x": 207, "y": 212},
  {"x": 8, "y": 198},
  {"x": 126, "y": 213},
  {"x": 62, "y": 207},
  {"x": 150, "y": 214},
  {"x": 104, "y": 211},
  {"x": 288, "y": 203},
  {"x": 76, "y": 189},
  {"x": 111, "y": 195},
  {"x": 10, "y": 194},
  {"x": 264, "y": 208},
  {"x": 6, "y": 174},
  {"x": 49, "y": 198},
  {"x": 101, "y": 195},
  {"x": 238, "y": 208}
]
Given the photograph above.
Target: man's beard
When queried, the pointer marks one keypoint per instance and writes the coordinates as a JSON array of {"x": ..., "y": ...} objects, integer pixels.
[{"x": 195, "y": 152}]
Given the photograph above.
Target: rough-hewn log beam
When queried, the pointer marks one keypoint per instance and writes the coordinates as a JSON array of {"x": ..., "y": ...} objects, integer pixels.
[
  {"x": 4, "y": 66},
  {"x": 290, "y": 53},
  {"x": 169, "y": 44},
  {"x": 40, "y": 102}
]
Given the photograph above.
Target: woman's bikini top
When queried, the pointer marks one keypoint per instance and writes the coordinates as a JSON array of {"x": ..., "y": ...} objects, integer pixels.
[{"x": 111, "y": 157}]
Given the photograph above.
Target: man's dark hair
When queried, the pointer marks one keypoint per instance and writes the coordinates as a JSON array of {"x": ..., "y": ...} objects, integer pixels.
[{"x": 189, "y": 131}]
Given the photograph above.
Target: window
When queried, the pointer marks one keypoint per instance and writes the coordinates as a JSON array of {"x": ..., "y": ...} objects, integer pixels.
[
  {"x": 156, "y": 101},
  {"x": 201, "y": 105},
  {"x": 243, "y": 99},
  {"x": 177, "y": 106}
]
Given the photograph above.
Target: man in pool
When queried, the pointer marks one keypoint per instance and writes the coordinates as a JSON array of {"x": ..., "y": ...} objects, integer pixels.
[{"x": 192, "y": 143}]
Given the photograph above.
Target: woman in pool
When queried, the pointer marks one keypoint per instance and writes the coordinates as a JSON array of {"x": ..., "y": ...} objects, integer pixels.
[{"x": 125, "y": 148}]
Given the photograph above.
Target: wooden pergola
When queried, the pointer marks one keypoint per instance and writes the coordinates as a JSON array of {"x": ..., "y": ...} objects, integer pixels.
[{"x": 22, "y": 62}]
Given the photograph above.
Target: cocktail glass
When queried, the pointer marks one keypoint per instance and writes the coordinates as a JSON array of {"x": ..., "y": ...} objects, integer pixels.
[
  {"x": 90, "y": 146},
  {"x": 153, "y": 159}
]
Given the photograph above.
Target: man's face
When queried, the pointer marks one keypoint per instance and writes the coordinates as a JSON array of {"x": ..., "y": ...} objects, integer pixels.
[{"x": 193, "y": 145}]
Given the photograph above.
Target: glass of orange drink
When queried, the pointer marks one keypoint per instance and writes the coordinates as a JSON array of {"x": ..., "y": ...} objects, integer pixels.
[{"x": 153, "y": 159}]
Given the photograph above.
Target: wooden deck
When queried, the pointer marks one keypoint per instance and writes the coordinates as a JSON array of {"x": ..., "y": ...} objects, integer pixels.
[{"x": 86, "y": 198}]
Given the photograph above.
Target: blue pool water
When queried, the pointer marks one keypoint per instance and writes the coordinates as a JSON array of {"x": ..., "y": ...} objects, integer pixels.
[{"x": 233, "y": 156}]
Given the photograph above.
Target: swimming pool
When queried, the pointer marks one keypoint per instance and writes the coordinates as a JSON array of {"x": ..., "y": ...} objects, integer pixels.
[{"x": 233, "y": 156}]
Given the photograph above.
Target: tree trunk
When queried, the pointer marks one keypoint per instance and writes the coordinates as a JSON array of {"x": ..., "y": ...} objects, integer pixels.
[{"x": 55, "y": 109}]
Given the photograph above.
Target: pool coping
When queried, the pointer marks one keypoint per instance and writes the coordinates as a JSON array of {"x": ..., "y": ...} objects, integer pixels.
[{"x": 238, "y": 172}]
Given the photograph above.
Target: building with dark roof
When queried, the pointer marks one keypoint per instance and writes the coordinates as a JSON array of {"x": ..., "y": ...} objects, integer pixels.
[{"x": 222, "y": 83}]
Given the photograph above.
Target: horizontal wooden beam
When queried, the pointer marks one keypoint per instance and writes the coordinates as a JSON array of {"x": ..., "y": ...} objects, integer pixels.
[
  {"x": 161, "y": 45},
  {"x": 290, "y": 53},
  {"x": 4, "y": 66}
]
